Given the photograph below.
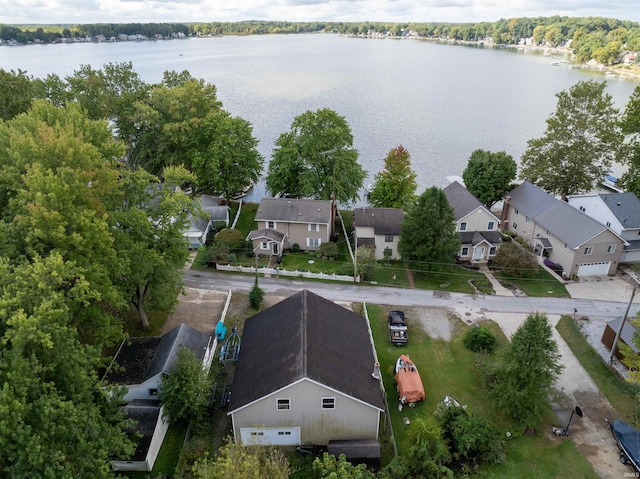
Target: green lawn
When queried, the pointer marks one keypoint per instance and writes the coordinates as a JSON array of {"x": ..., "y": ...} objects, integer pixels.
[
  {"x": 541, "y": 284},
  {"x": 618, "y": 392},
  {"x": 246, "y": 221},
  {"x": 451, "y": 278},
  {"x": 449, "y": 368}
]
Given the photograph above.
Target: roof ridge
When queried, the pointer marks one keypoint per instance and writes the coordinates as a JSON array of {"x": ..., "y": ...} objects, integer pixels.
[{"x": 303, "y": 338}]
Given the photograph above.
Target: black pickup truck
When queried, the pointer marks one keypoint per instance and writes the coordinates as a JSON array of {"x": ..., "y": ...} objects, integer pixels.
[{"x": 398, "y": 328}]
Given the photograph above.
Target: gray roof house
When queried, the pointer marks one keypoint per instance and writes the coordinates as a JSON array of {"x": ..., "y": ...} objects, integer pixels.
[
  {"x": 618, "y": 211},
  {"x": 139, "y": 365},
  {"x": 308, "y": 223},
  {"x": 304, "y": 376},
  {"x": 567, "y": 236},
  {"x": 478, "y": 228},
  {"x": 379, "y": 229},
  {"x": 200, "y": 224}
]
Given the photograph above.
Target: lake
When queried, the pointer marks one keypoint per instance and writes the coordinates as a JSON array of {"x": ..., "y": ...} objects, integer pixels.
[{"x": 439, "y": 101}]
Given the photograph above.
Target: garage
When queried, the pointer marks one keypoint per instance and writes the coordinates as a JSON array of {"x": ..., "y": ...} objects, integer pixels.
[
  {"x": 276, "y": 436},
  {"x": 593, "y": 269}
]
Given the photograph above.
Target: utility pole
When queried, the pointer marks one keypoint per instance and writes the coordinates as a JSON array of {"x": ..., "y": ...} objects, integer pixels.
[{"x": 614, "y": 346}]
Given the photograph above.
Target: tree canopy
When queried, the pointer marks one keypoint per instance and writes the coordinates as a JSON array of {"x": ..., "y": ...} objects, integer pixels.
[
  {"x": 316, "y": 158},
  {"x": 531, "y": 365},
  {"x": 581, "y": 141},
  {"x": 395, "y": 186},
  {"x": 630, "y": 124},
  {"x": 488, "y": 175},
  {"x": 428, "y": 230}
]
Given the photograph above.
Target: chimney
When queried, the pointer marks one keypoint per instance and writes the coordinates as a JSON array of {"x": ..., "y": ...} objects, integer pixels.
[
  {"x": 504, "y": 216},
  {"x": 376, "y": 370}
]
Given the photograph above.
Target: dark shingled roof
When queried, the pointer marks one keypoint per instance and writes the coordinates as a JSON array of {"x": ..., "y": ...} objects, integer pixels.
[
  {"x": 461, "y": 200},
  {"x": 305, "y": 336},
  {"x": 385, "y": 221},
  {"x": 627, "y": 333},
  {"x": 294, "y": 210},
  {"x": 265, "y": 233},
  {"x": 476, "y": 237},
  {"x": 139, "y": 359},
  {"x": 145, "y": 412},
  {"x": 625, "y": 207}
]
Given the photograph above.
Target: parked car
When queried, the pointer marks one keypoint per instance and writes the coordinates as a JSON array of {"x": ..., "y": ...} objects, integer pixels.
[{"x": 398, "y": 328}]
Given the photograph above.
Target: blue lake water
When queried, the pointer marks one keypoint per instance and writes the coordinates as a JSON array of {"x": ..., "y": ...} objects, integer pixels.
[{"x": 439, "y": 101}]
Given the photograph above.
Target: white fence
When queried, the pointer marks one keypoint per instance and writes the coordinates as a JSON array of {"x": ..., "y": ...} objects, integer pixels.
[{"x": 284, "y": 272}]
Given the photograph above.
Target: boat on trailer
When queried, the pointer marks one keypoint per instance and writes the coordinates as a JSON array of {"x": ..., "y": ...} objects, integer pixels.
[{"x": 408, "y": 381}]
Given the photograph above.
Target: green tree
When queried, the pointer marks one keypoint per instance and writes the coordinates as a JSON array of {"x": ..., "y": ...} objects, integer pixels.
[
  {"x": 239, "y": 462},
  {"x": 480, "y": 339},
  {"x": 428, "y": 230},
  {"x": 582, "y": 140},
  {"x": 224, "y": 157},
  {"x": 538, "y": 34},
  {"x": 16, "y": 93},
  {"x": 488, "y": 175},
  {"x": 516, "y": 260},
  {"x": 631, "y": 128},
  {"x": 529, "y": 369},
  {"x": 56, "y": 418},
  {"x": 184, "y": 392},
  {"x": 365, "y": 262},
  {"x": 316, "y": 158},
  {"x": 330, "y": 467},
  {"x": 256, "y": 296},
  {"x": 395, "y": 186}
]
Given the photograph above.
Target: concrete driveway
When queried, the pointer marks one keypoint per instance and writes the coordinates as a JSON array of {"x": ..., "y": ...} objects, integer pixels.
[{"x": 604, "y": 288}]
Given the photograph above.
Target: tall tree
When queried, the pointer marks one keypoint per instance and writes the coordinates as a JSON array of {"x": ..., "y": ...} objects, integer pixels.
[
  {"x": 16, "y": 93},
  {"x": 316, "y": 158},
  {"x": 488, "y": 175},
  {"x": 531, "y": 365},
  {"x": 395, "y": 186},
  {"x": 582, "y": 140},
  {"x": 631, "y": 128},
  {"x": 428, "y": 230}
]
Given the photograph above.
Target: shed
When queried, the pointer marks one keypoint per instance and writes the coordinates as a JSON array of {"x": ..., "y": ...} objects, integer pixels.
[{"x": 626, "y": 336}]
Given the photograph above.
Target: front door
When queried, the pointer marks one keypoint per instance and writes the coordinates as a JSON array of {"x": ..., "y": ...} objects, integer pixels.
[
  {"x": 275, "y": 249},
  {"x": 478, "y": 253}
]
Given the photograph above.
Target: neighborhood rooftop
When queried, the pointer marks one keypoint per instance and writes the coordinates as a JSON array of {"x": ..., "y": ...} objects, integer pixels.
[
  {"x": 461, "y": 200},
  {"x": 294, "y": 210},
  {"x": 305, "y": 336},
  {"x": 625, "y": 207},
  {"x": 558, "y": 217},
  {"x": 384, "y": 221}
]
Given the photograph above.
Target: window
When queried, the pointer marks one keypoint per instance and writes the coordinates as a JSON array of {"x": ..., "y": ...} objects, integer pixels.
[
  {"x": 463, "y": 226},
  {"x": 611, "y": 248},
  {"x": 491, "y": 225},
  {"x": 388, "y": 238},
  {"x": 526, "y": 219},
  {"x": 257, "y": 433},
  {"x": 516, "y": 211},
  {"x": 566, "y": 246},
  {"x": 283, "y": 404},
  {"x": 264, "y": 245},
  {"x": 582, "y": 209},
  {"x": 515, "y": 225},
  {"x": 313, "y": 226},
  {"x": 153, "y": 392},
  {"x": 271, "y": 225},
  {"x": 328, "y": 403},
  {"x": 464, "y": 251},
  {"x": 588, "y": 250},
  {"x": 608, "y": 224},
  {"x": 284, "y": 433},
  {"x": 492, "y": 250},
  {"x": 313, "y": 241}
]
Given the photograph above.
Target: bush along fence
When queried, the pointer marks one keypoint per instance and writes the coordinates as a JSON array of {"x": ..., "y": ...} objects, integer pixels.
[{"x": 283, "y": 272}]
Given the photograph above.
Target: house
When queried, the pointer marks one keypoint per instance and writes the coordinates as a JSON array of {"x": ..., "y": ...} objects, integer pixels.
[
  {"x": 379, "y": 229},
  {"x": 212, "y": 216},
  {"x": 568, "y": 237},
  {"x": 304, "y": 376},
  {"x": 140, "y": 363},
  {"x": 626, "y": 336},
  {"x": 149, "y": 431},
  {"x": 618, "y": 211},
  {"x": 283, "y": 222},
  {"x": 477, "y": 228}
]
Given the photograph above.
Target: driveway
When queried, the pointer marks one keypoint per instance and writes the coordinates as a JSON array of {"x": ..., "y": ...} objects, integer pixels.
[{"x": 605, "y": 288}]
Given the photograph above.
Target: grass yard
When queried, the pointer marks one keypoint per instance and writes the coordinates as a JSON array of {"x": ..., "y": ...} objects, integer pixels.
[
  {"x": 451, "y": 278},
  {"x": 618, "y": 392},
  {"x": 540, "y": 285},
  {"x": 449, "y": 368}
]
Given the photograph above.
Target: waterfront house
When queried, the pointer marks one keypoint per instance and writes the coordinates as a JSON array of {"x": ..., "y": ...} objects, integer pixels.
[
  {"x": 618, "y": 211},
  {"x": 283, "y": 222},
  {"x": 378, "y": 229},
  {"x": 567, "y": 236},
  {"x": 306, "y": 375},
  {"x": 477, "y": 228}
]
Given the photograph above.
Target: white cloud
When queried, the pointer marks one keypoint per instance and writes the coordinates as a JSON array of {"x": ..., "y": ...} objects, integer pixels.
[{"x": 125, "y": 11}]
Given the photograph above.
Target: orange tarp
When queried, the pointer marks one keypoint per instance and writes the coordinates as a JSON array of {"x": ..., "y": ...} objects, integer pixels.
[{"x": 408, "y": 379}]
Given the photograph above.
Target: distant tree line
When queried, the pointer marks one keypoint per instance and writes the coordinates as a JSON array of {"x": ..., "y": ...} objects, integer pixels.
[{"x": 602, "y": 39}]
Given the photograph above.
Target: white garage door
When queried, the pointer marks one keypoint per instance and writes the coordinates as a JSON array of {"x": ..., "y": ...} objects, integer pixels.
[
  {"x": 591, "y": 269},
  {"x": 281, "y": 436}
]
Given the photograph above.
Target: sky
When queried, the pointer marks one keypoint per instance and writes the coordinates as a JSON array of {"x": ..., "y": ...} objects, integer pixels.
[{"x": 399, "y": 11}]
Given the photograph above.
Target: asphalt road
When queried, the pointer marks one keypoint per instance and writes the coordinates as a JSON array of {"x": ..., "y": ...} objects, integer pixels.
[{"x": 605, "y": 310}]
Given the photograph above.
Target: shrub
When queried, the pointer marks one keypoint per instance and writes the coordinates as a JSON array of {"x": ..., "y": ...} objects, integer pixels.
[
  {"x": 256, "y": 296},
  {"x": 234, "y": 238},
  {"x": 219, "y": 252},
  {"x": 515, "y": 260},
  {"x": 295, "y": 248},
  {"x": 329, "y": 249},
  {"x": 480, "y": 339}
]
